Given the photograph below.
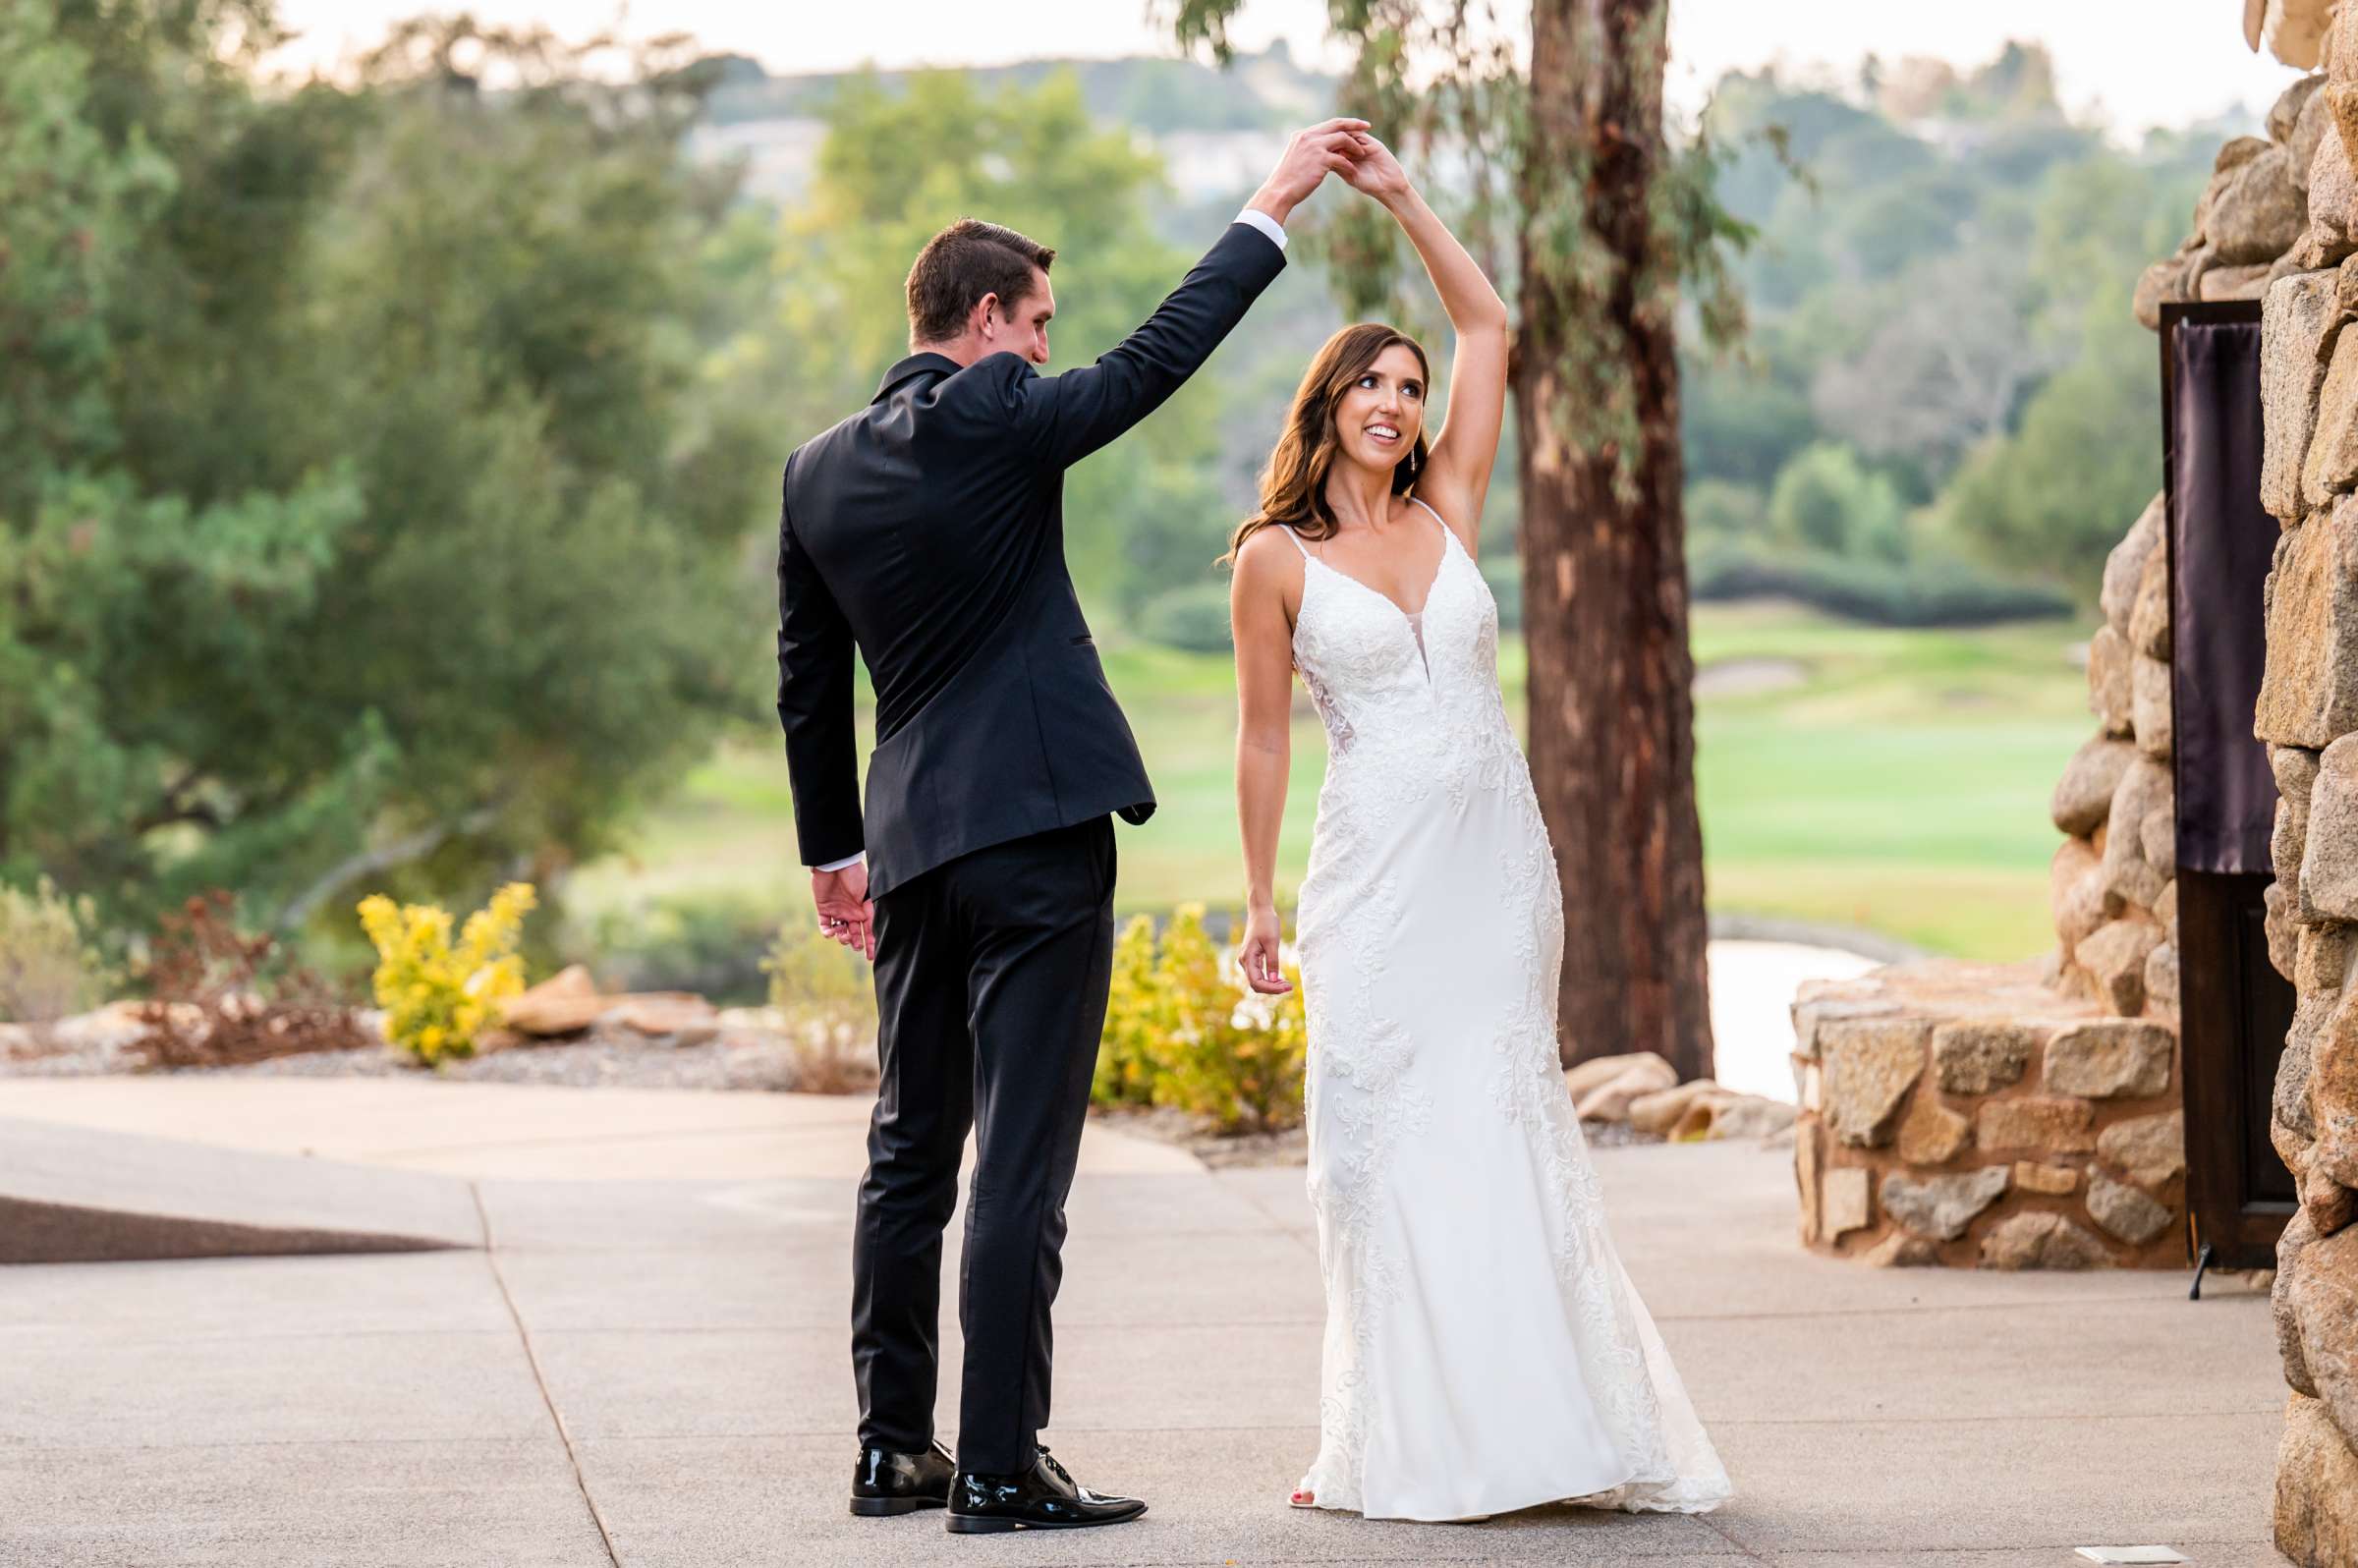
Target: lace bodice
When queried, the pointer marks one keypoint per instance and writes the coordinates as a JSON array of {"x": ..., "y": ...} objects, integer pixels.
[{"x": 1406, "y": 698}]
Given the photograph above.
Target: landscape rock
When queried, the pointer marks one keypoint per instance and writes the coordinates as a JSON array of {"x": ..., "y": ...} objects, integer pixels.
[
  {"x": 2283, "y": 115},
  {"x": 1809, "y": 1148},
  {"x": 2125, "y": 563},
  {"x": 2288, "y": 838},
  {"x": 2124, "y": 1210},
  {"x": 2290, "y": 1103},
  {"x": 2295, "y": 316},
  {"x": 2294, "y": 1239},
  {"x": 1610, "y": 1102},
  {"x": 2309, "y": 127},
  {"x": 1656, "y": 1113},
  {"x": 2148, "y": 1149},
  {"x": 683, "y": 1019},
  {"x": 2150, "y": 706},
  {"x": 2075, "y": 881},
  {"x": 2321, "y": 958},
  {"x": 1941, "y": 1207},
  {"x": 2329, "y": 1206},
  {"x": 565, "y": 1003},
  {"x": 1900, "y": 1250},
  {"x": 2276, "y": 923},
  {"x": 2083, "y": 795},
  {"x": 1581, "y": 1077},
  {"x": 2114, "y": 955},
  {"x": 2162, "y": 976},
  {"x": 2109, "y": 1058},
  {"x": 2165, "y": 910},
  {"x": 1870, "y": 1066},
  {"x": 2317, "y": 1489},
  {"x": 1716, "y": 1118},
  {"x": 2109, "y": 694},
  {"x": 2037, "y": 1176},
  {"x": 2042, "y": 1124},
  {"x": 2145, "y": 789},
  {"x": 2257, "y": 213},
  {"x": 2331, "y": 466},
  {"x": 2147, "y": 629},
  {"x": 2333, "y": 207},
  {"x": 2309, "y": 682},
  {"x": 2040, "y": 1240},
  {"x": 2235, "y": 283},
  {"x": 2317, "y": 1285},
  {"x": 1974, "y": 1056},
  {"x": 1846, "y": 1200},
  {"x": 1930, "y": 1134},
  {"x": 1819, "y": 1002},
  {"x": 2328, "y": 879}
]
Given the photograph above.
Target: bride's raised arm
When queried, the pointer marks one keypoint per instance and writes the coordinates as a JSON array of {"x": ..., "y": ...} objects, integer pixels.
[{"x": 1457, "y": 472}]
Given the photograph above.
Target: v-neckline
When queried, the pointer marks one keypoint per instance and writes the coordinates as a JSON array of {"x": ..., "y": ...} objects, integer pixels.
[{"x": 1448, "y": 538}]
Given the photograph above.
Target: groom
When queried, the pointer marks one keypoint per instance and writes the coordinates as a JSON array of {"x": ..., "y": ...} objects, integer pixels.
[{"x": 927, "y": 531}]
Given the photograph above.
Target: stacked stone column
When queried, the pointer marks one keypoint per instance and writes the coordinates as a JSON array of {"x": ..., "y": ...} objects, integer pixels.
[{"x": 2308, "y": 714}]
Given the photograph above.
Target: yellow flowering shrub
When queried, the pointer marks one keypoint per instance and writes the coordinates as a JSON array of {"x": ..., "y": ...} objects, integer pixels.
[
  {"x": 1183, "y": 1028},
  {"x": 1135, "y": 1018},
  {"x": 437, "y": 997}
]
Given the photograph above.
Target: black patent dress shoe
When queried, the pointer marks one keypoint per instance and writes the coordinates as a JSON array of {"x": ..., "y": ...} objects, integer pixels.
[
  {"x": 1043, "y": 1497},
  {"x": 884, "y": 1483}
]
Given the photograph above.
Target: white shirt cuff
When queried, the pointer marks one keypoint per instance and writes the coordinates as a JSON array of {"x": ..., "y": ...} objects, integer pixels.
[
  {"x": 837, "y": 865},
  {"x": 1265, "y": 224}
]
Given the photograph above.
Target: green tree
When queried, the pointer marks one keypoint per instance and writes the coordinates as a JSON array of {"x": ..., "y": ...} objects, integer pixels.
[
  {"x": 386, "y": 543},
  {"x": 896, "y": 167},
  {"x": 1824, "y": 501}
]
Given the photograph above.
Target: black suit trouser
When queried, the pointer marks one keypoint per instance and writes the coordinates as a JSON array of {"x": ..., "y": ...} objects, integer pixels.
[{"x": 992, "y": 980}]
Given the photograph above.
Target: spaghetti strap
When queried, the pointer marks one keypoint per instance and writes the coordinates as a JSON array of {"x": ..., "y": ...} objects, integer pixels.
[
  {"x": 1288, "y": 531},
  {"x": 1437, "y": 517}
]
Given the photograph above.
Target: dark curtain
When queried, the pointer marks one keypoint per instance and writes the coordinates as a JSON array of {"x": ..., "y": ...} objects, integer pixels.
[{"x": 2220, "y": 544}]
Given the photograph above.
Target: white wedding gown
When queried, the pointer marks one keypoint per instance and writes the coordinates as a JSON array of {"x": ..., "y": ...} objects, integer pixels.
[{"x": 1484, "y": 1351}]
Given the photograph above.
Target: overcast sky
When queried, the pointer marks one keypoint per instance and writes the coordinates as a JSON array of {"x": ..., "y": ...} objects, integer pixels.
[{"x": 2137, "y": 62}]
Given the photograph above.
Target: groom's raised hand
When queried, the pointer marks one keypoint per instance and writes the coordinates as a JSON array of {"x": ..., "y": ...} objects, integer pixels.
[{"x": 1331, "y": 147}]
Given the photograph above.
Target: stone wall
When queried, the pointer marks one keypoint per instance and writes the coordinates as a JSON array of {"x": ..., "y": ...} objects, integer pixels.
[
  {"x": 2308, "y": 714},
  {"x": 2028, "y": 1116}
]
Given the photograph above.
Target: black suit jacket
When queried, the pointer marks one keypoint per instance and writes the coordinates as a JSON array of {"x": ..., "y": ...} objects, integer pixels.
[{"x": 927, "y": 530}]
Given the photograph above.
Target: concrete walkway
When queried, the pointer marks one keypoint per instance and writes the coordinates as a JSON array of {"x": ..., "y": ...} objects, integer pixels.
[{"x": 652, "y": 1371}]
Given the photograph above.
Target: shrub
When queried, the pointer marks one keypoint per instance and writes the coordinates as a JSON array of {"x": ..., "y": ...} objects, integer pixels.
[
  {"x": 1194, "y": 618},
  {"x": 827, "y": 994},
  {"x": 48, "y": 968},
  {"x": 1930, "y": 592},
  {"x": 716, "y": 947},
  {"x": 438, "y": 998},
  {"x": 1182, "y": 1019},
  {"x": 1135, "y": 1019},
  {"x": 219, "y": 995}
]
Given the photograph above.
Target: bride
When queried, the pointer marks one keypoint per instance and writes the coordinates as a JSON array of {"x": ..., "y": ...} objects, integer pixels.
[{"x": 1484, "y": 1350}]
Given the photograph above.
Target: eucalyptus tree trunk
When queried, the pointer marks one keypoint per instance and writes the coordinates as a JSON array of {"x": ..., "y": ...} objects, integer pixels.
[{"x": 1612, "y": 720}]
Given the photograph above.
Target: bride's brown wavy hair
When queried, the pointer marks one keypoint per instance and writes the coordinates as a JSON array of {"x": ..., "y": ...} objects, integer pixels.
[{"x": 1293, "y": 487}]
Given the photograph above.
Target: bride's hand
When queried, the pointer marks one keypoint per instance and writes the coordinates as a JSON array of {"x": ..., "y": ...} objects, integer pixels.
[
  {"x": 1376, "y": 172},
  {"x": 1265, "y": 969}
]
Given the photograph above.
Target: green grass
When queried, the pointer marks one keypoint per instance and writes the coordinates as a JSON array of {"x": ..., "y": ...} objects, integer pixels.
[{"x": 1901, "y": 785}]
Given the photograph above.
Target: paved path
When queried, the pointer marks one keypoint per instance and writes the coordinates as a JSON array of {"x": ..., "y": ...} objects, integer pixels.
[{"x": 652, "y": 1372}]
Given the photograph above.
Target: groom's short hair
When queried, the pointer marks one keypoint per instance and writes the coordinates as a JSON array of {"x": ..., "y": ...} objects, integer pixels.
[{"x": 962, "y": 263}]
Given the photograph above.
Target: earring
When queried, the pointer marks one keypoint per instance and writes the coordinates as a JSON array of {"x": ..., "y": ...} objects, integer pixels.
[{"x": 1412, "y": 462}]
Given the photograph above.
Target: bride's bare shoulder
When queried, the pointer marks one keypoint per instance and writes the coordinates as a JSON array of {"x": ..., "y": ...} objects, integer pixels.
[{"x": 1269, "y": 556}]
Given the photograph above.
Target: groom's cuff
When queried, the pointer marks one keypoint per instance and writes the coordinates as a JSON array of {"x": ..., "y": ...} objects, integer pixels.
[
  {"x": 837, "y": 865},
  {"x": 1265, "y": 224}
]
